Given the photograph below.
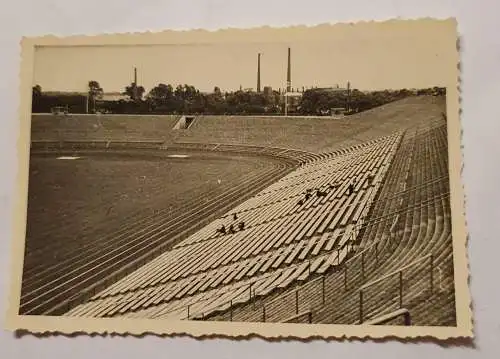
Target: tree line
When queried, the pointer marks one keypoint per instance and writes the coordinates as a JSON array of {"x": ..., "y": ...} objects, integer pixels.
[{"x": 187, "y": 99}]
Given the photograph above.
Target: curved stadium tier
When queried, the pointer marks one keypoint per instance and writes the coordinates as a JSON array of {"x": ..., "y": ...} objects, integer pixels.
[{"x": 332, "y": 221}]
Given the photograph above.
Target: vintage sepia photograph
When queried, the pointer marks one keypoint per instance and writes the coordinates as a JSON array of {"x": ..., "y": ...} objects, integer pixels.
[{"x": 244, "y": 180}]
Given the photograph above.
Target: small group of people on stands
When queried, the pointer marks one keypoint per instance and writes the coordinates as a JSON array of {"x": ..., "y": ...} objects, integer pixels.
[
  {"x": 319, "y": 193},
  {"x": 231, "y": 229},
  {"x": 323, "y": 193}
]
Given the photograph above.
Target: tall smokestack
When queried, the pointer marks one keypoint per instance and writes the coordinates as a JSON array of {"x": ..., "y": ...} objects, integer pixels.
[
  {"x": 289, "y": 74},
  {"x": 258, "y": 73},
  {"x": 135, "y": 84}
]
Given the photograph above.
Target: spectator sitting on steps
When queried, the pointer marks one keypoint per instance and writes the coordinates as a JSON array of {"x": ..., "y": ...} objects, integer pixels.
[
  {"x": 320, "y": 193},
  {"x": 241, "y": 225},
  {"x": 231, "y": 229},
  {"x": 235, "y": 217},
  {"x": 351, "y": 187},
  {"x": 222, "y": 229}
]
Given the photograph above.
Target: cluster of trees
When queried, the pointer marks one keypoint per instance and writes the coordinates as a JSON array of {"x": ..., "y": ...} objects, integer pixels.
[
  {"x": 186, "y": 99},
  {"x": 321, "y": 101},
  {"x": 165, "y": 99},
  {"x": 90, "y": 102},
  {"x": 44, "y": 102}
]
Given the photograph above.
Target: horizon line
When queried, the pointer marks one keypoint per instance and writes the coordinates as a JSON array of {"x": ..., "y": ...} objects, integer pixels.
[{"x": 118, "y": 92}]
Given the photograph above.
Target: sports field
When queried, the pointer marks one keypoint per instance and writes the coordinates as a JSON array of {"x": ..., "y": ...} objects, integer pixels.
[{"x": 87, "y": 207}]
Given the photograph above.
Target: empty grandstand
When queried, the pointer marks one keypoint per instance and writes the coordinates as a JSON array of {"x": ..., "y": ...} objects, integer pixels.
[{"x": 335, "y": 221}]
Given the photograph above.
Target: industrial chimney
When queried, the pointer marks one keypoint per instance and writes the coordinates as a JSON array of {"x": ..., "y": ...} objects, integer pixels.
[
  {"x": 258, "y": 73},
  {"x": 134, "y": 89},
  {"x": 289, "y": 74}
]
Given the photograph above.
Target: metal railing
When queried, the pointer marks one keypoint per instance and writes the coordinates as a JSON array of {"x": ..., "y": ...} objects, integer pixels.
[
  {"x": 300, "y": 298},
  {"x": 227, "y": 307},
  {"x": 398, "y": 272}
]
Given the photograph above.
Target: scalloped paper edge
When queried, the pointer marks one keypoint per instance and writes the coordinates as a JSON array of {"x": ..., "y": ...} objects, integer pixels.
[{"x": 69, "y": 326}]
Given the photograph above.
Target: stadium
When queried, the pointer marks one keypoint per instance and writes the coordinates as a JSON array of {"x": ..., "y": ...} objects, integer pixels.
[{"x": 243, "y": 218}]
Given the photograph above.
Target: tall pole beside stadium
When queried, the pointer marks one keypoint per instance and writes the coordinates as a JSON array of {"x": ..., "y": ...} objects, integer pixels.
[{"x": 286, "y": 103}]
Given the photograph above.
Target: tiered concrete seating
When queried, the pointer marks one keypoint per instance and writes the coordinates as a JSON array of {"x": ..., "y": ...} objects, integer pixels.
[
  {"x": 282, "y": 243},
  {"x": 411, "y": 220},
  {"x": 119, "y": 128},
  {"x": 314, "y": 135},
  {"x": 281, "y": 199},
  {"x": 317, "y": 135}
]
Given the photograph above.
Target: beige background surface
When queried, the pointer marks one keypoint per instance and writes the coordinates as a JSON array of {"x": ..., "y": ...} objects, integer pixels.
[{"x": 481, "y": 90}]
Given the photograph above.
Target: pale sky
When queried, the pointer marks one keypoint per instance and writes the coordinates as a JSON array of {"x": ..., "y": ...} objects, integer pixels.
[{"x": 368, "y": 60}]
